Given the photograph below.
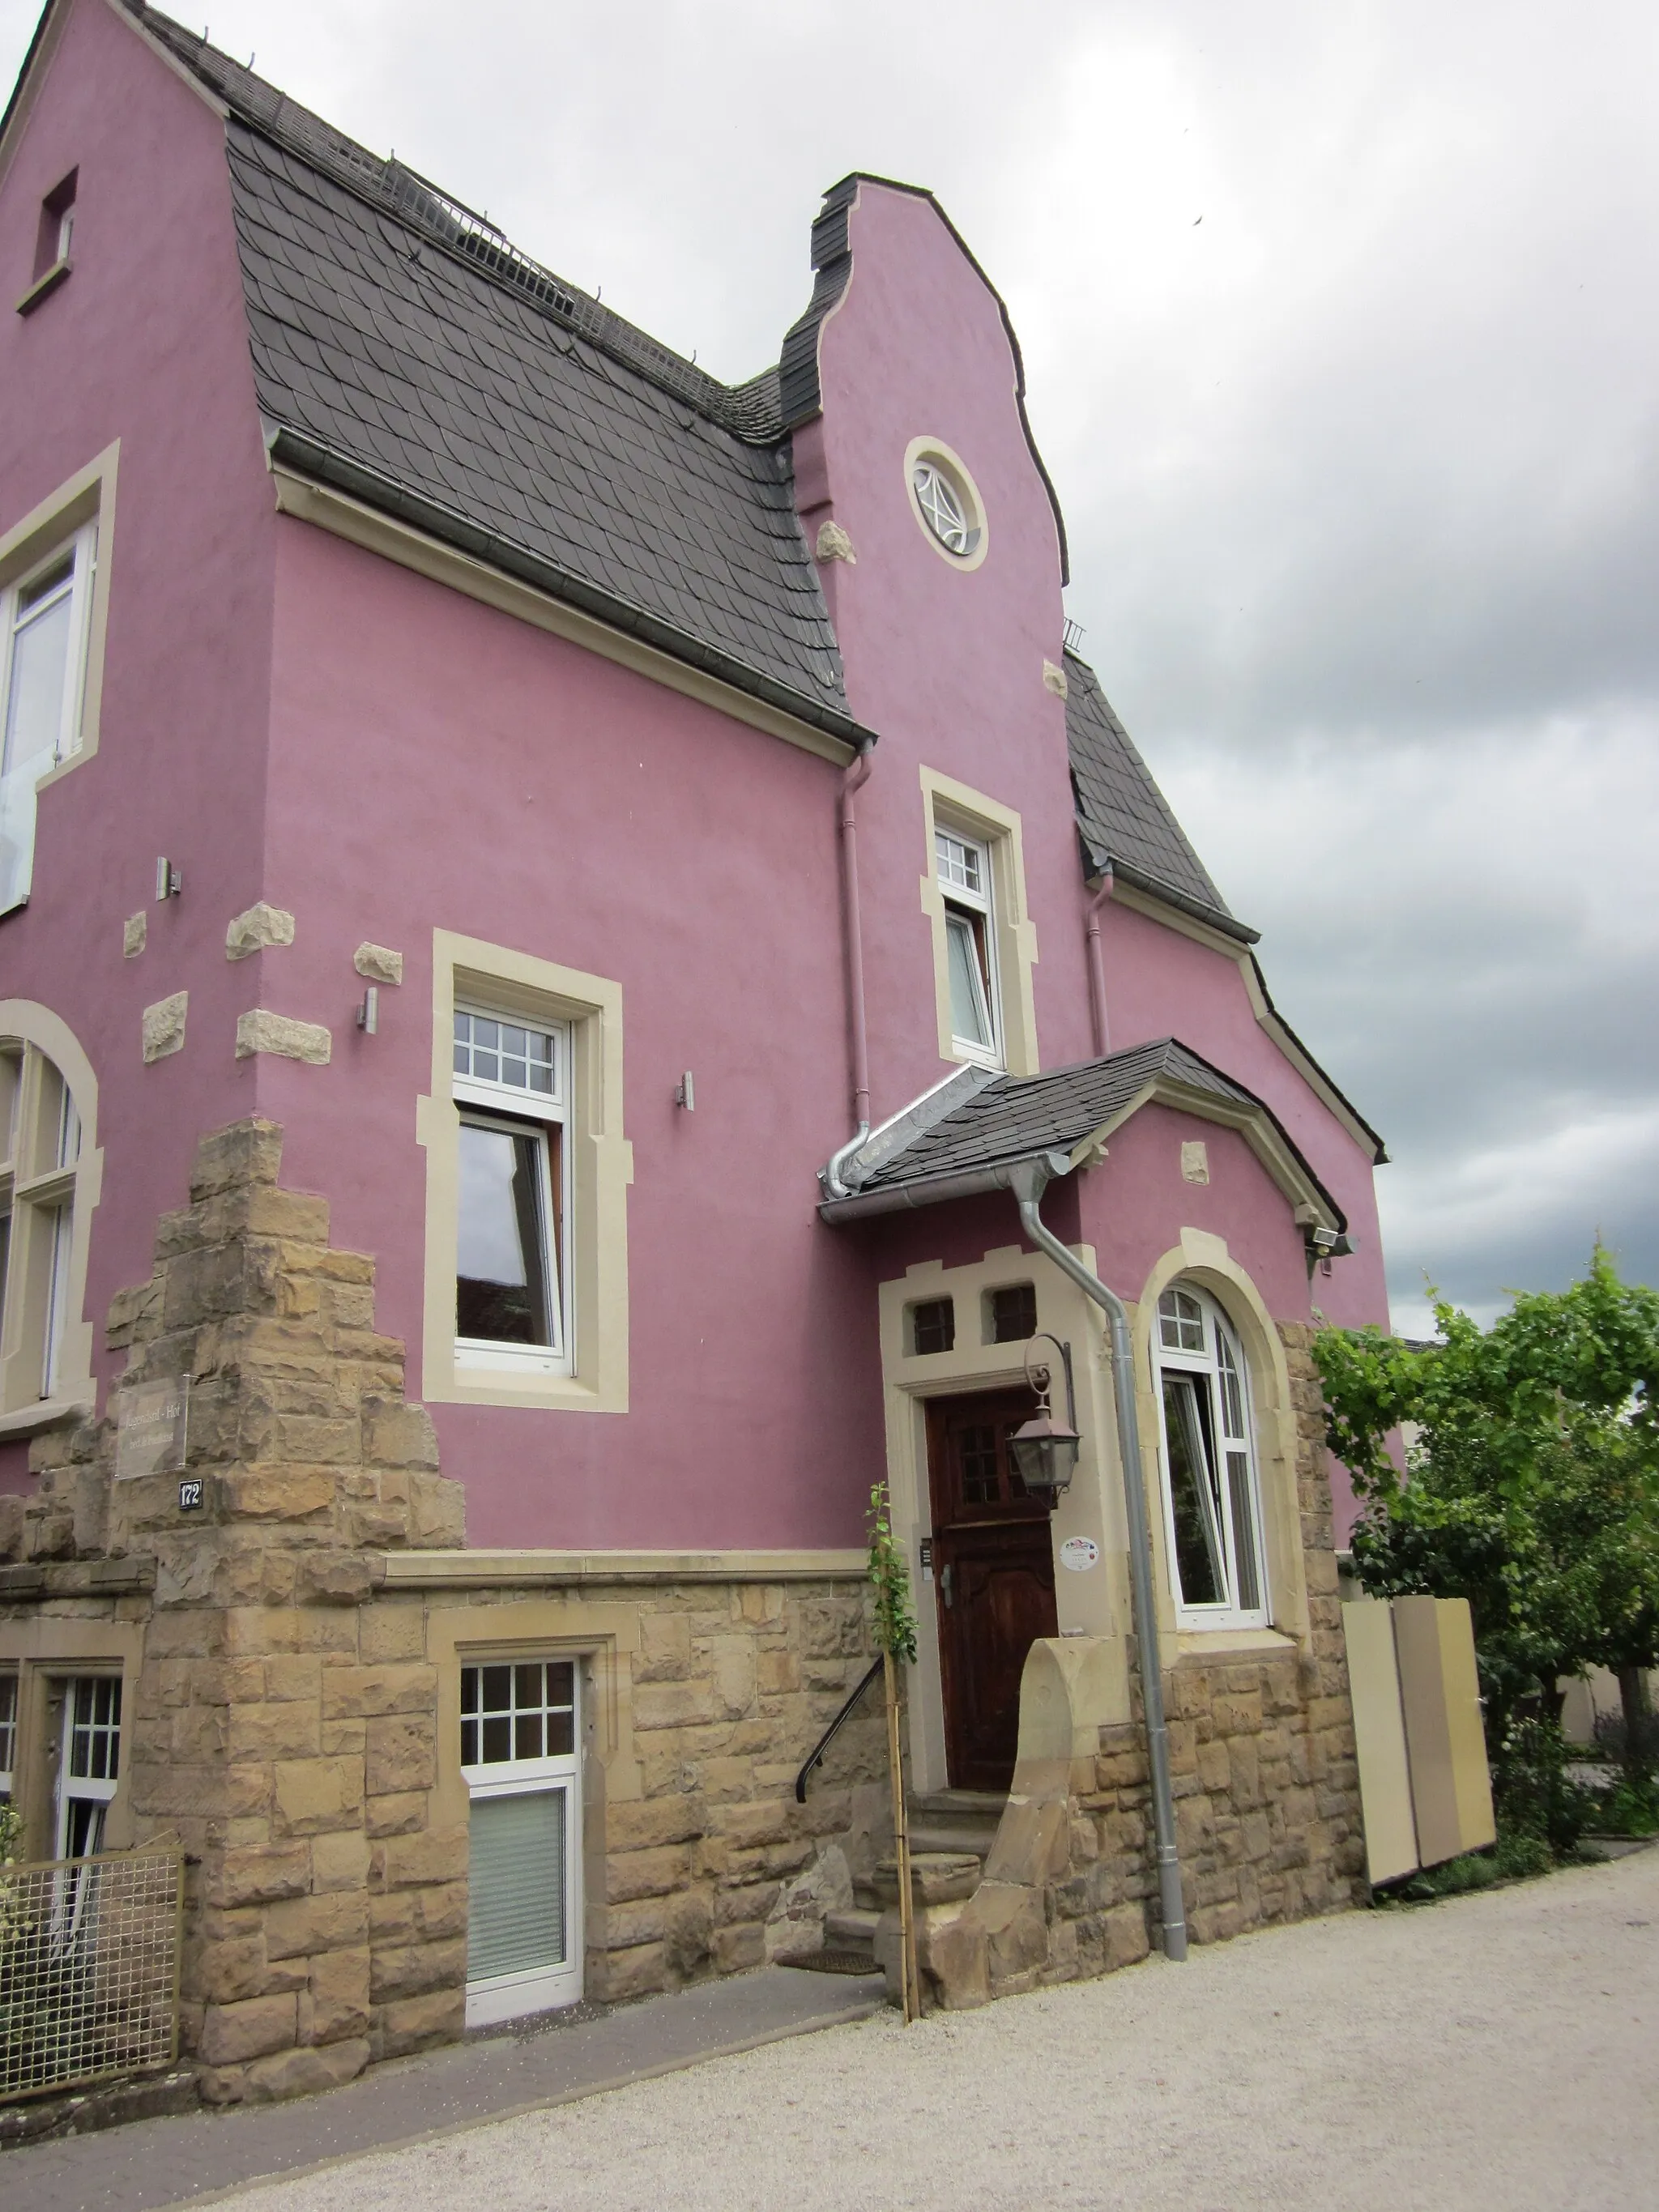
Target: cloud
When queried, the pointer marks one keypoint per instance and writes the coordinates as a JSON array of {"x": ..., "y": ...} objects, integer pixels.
[{"x": 1361, "y": 469}]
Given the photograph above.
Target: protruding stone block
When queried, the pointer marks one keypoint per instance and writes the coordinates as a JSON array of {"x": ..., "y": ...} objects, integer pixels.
[
  {"x": 379, "y": 964},
  {"x": 162, "y": 1028},
  {"x": 260, "y": 1030},
  {"x": 262, "y": 925}
]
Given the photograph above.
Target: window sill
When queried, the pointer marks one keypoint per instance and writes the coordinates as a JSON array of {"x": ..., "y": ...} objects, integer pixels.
[
  {"x": 48, "y": 1414},
  {"x": 43, "y": 287},
  {"x": 1203, "y": 1646}
]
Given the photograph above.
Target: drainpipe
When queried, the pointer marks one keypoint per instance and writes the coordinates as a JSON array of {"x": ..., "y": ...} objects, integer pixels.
[
  {"x": 851, "y": 781},
  {"x": 1097, "y": 966},
  {"x": 1029, "y": 1180}
]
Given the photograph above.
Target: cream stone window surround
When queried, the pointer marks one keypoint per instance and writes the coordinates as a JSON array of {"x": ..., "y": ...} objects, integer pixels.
[
  {"x": 956, "y": 808},
  {"x": 472, "y": 973},
  {"x": 45, "y": 1342},
  {"x": 79, "y": 513},
  {"x": 1093, "y": 1604},
  {"x": 1204, "y": 1259}
]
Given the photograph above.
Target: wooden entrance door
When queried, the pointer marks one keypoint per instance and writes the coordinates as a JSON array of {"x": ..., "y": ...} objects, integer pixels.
[{"x": 993, "y": 1579}]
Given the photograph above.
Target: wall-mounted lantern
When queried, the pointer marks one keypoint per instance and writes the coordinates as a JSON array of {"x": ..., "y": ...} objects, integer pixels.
[{"x": 1043, "y": 1452}]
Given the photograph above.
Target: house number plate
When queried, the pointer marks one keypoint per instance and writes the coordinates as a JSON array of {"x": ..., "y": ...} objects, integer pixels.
[
  {"x": 190, "y": 1496},
  {"x": 1079, "y": 1554}
]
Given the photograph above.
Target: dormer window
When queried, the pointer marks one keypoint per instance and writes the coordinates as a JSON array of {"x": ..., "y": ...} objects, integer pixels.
[{"x": 963, "y": 868}]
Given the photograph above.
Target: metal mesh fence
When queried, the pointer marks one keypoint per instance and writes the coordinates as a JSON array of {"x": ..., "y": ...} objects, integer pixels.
[{"x": 89, "y": 1970}]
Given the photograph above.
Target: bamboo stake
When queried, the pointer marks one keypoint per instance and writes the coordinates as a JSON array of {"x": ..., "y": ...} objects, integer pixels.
[{"x": 908, "y": 1972}]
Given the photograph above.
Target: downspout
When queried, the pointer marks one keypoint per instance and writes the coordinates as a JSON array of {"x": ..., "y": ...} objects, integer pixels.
[
  {"x": 1031, "y": 1179},
  {"x": 1097, "y": 966},
  {"x": 851, "y": 781}
]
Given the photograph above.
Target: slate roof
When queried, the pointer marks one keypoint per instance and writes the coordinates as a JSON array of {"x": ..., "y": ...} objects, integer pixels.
[
  {"x": 1123, "y": 816},
  {"x": 405, "y": 350},
  {"x": 1003, "y": 1118},
  {"x": 397, "y": 337}
]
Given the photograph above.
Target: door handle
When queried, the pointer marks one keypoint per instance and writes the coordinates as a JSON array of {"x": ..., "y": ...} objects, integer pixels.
[{"x": 947, "y": 1576}]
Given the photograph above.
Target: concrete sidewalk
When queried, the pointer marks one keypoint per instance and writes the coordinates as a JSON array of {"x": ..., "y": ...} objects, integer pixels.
[{"x": 155, "y": 2163}]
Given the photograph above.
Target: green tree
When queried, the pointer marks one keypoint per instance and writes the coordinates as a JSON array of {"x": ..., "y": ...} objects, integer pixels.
[{"x": 1531, "y": 1483}]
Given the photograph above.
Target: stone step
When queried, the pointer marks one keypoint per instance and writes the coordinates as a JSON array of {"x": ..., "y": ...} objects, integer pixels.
[
  {"x": 854, "y": 1930},
  {"x": 976, "y": 1837},
  {"x": 935, "y": 1877},
  {"x": 977, "y": 1805}
]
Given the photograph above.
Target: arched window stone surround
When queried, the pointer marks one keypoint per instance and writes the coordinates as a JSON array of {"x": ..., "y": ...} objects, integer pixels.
[
  {"x": 22, "y": 1021},
  {"x": 1204, "y": 1259}
]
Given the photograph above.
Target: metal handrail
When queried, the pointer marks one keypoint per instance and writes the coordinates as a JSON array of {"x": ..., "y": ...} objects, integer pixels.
[{"x": 832, "y": 1731}]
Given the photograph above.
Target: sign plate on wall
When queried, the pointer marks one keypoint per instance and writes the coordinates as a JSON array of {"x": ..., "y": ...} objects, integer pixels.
[
  {"x": 149, "y": 1428},
  {"x": 1079, "y": 1554}
]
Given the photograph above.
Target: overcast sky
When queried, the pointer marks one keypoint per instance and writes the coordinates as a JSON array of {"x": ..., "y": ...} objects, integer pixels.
[{"x": 1341, "y": 324}]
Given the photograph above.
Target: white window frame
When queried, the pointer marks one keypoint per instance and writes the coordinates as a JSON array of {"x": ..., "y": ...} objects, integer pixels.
[
  {"x": 962, "y": 869},
  {"x": 499, "y": 1997},
  {"x": 21, "y": 779},
  {"x": 1208, "y": 1364},
  {"x": 499, "y": 1105},
  {"x": 43, "y": 1149},
  {"x": 86, "y": 1790},
  {"x": 11, "y": 1697}
]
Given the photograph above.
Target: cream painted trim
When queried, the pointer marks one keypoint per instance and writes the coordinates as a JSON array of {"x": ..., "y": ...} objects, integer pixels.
[
  {"x": 977, "y": 519},
  {"x": 602, "y": 1168},
  {"x": 365, "y": 526},
  {"x": 1173, "y": 917},
  {"x": 1252, "y": 1122},
  {"x": 1206, "y": 1260},
  {"x": 507, "y": 1570},
  {"x": 1014, "y": 933},
  {"x": 49, "y": 1414},
  {"x": 1208, "y": 1646},
  {"x": 23, "y": 1020},
  {"x": 1318, "y": 1082},
  {"x": 86, "y": 496},
  {"x": 1095, "y": 1604},
  {"x": 45, "y": 1646}
]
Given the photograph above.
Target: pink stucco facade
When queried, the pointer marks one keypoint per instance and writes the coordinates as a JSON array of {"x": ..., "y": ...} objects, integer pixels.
[{"x": 291, "y": 718}]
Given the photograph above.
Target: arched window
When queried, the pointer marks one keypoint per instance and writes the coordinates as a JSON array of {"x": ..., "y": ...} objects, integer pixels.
[
  {"x": 1211, "y": 1499},
  {"x": 41, "y": 1351}
]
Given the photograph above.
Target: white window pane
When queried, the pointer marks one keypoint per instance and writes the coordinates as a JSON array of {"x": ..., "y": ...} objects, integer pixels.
[
  {"x": 1194, "y": 1494},
  {"x": 490, "y": 1051},
  {"x": 1242, "y": 1497},
  {"x": 17, "y": 831},
  {"x": 503, "y": 1267},
  {"x": 38, "y": 678},
  {"x": 970, "y": 1019},
  {"x": 57, "y": 1308}
]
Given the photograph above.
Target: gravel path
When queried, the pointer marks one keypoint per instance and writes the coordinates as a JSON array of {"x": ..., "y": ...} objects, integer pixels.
[{"x": 1496, "y": 2050}]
